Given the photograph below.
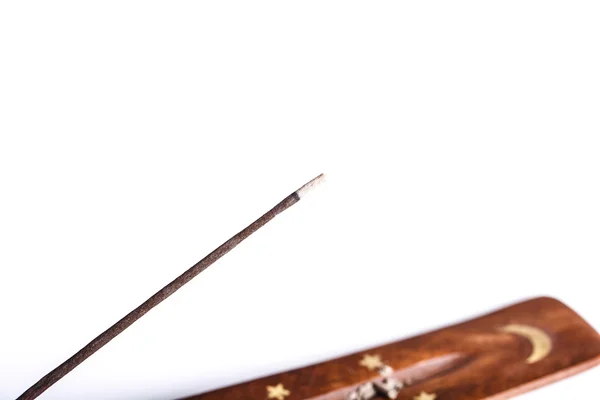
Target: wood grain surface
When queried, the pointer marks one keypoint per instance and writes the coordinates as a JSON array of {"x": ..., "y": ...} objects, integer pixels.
[{"x": 496, "y": 356}]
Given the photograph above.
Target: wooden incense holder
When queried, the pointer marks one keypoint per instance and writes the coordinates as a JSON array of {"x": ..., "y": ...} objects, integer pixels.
[{"x": 496, "y": 356}]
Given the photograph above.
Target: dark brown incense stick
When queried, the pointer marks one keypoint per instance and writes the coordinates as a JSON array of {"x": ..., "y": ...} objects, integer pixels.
[{"x": 109, "y": 334}]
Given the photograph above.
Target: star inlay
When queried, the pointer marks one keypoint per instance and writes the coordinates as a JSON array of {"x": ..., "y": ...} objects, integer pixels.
[
  {"x": 277, "y": 392},
  {"x": 425, "y": 396},
  {"x": 371, "y": 362}
]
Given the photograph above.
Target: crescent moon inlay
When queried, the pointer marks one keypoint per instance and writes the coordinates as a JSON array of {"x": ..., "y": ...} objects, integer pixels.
[{"x": 540, "y": 341}]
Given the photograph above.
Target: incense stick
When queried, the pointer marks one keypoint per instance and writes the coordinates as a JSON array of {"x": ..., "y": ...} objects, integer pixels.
[{"x": 53, "y": 376}]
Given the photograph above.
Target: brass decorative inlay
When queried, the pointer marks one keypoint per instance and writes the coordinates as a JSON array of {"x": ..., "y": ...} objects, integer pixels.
[
  {"x": 540, "y": 341},
  {"x": 425, "y": 396},
  {"x": 277, "y": 392},
  {"x": 372, "y": 362}
]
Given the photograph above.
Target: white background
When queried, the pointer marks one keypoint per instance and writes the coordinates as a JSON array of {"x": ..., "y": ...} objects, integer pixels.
[{"x": 460, "y": 139}]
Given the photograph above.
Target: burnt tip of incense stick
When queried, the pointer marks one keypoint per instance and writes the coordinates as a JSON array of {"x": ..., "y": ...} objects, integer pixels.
[{"x": 307, "y": 187}]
